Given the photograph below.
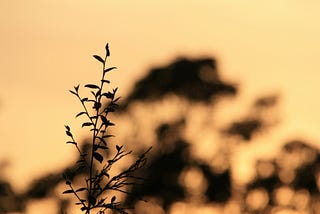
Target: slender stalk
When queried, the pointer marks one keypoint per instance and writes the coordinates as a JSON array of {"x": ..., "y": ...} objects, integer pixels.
[{"x": 95, "y": 133}]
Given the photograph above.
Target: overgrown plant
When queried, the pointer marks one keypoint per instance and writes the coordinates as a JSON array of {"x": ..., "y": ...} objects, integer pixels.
[{"x": 96, "y": 193}]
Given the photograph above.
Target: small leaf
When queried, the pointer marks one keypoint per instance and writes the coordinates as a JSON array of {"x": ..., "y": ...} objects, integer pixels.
[
  {"x": 109, "y": 69},
  {"x": 98, "y": 58},
  {"x": 108, "y": 95},
  {"x": 67, "y": 127},
  {"x": 97, "y": 105},
  {"x": 118, "y": 148},
  {"x": 104, "y": 119},
  {"x": 71, "y": 142},
  {"x": 90, "y": 101},
  {"x": 113, "y": 199},
  {"x": 72, "y": 92},
  {"x": 68, "y": 191},
  {"x": 115, "y": 100},
  {"x": 98, "y": 157},
  {"x": 81, "y": 113},
  {"x": 107, "y": 50},
  {"x": 92, "y": 86},
  {"x": 106, "y": 81},
  {"x": 84, "y": 99},
  {"x": 107, "y": 122},
  {"x": 69, "y": 133},
  {"x": 98, "y": 93},
  {"x": 68, "y": 182},
  {"x": 87, "y": 124},
  {"x": 111, "y": 124},
  {"x": 81, "y": 189},
  {"x": 76, "y": 88},
  {"x": 84, "y": 208}
]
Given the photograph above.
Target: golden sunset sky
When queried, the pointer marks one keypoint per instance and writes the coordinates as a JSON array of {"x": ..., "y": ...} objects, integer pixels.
[{"x": 46, "y": 48}]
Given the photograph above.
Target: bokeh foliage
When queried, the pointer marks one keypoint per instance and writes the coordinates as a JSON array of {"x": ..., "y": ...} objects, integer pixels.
[{"x": 178, "y": 100}]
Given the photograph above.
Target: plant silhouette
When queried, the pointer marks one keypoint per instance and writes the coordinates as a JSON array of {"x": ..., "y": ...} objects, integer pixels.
[{"x": 94, "y": 193}]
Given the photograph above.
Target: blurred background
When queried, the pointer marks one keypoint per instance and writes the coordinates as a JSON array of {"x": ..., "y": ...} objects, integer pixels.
[{"x": 224, "y": 91}]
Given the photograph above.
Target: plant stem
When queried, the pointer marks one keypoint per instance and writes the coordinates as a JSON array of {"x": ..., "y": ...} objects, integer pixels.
[{"x": 95, "y": 133}]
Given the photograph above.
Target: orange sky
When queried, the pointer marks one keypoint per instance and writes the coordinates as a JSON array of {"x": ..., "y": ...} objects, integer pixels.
[{"x": 46, "y": 48}]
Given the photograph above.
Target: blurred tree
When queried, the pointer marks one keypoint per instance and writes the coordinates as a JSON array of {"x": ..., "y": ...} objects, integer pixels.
[{"x": 197, "y": 81}]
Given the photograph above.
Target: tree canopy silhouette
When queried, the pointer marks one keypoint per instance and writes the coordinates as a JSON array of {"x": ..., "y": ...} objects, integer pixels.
[{"x": 195, "y": 79}]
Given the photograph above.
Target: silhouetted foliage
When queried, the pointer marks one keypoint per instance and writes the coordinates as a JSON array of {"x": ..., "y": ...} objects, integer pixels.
[
  {"x": 183, "y": 78},
  {"x": 99, "y": 183},
  {"x": 196, "y": 80},
  {"x": 288, "y": 181}
]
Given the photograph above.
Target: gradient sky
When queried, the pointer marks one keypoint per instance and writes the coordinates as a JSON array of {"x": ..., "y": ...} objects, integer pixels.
[{"x": 46, "y": 48}]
